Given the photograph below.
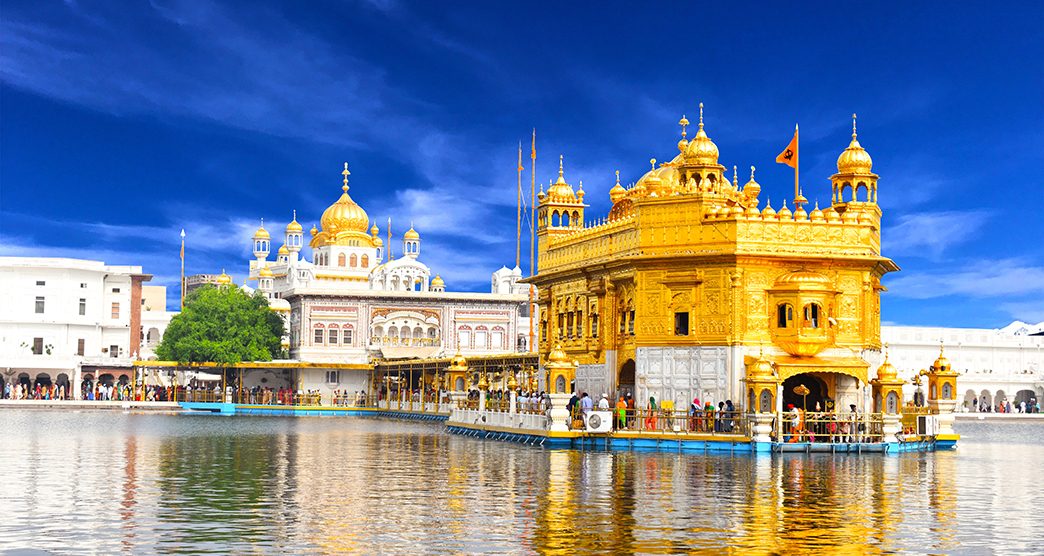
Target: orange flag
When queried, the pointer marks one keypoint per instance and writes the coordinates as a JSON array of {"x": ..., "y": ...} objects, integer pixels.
[{"x": 789, "y": 154}]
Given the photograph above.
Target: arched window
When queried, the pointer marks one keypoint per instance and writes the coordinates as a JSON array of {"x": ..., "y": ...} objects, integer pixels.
[
  {"x": 554, "y": 219},
  {"x": 332, "y": 336},
  {"x": 340, "y": 259},
  {"x": 353, "y": 261},
  {"x": 812, "y": 315},
  {"x": 784, "y": 315},
  {"x": 576, "y": 218},
  {"x": 317, "y": 339},
  {"x": 565, "y": 219},
  {"x": 347, "y": 336},
  {"x": 765, "y": 405},
  {"x": 481, "y": 337},
  {"x": 366, "y": 261},
  {"x": 892, "y": 403}
]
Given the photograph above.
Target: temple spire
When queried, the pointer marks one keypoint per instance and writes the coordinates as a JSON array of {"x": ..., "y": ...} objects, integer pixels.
[{"x": 345, "y": 173}]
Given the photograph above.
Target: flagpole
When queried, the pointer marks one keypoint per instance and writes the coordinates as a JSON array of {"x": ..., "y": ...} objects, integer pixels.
[
  {"x": 518, "y": 230},
  {"x": 532, "y": 217},
  {"x": 182, "y": 269},
  {"x": 797, "y": 164}
]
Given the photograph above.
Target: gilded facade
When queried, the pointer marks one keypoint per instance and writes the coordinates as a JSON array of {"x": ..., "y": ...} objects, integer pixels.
[{"x": 691, "y": 275}]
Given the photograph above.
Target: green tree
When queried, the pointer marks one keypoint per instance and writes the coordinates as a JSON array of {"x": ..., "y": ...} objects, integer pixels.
[{"x": 222, "y": 325}]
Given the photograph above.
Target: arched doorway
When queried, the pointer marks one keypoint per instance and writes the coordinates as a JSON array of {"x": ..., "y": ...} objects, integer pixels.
[
  {"x": 817, "y": 392},
  {"x": 1023, "y": 396},
  {"x": 999, "y": 399},
  {"x": 970, "y": 401},
  {"x": 625, "y": 379},
  {"x": 42, "y": 379}
]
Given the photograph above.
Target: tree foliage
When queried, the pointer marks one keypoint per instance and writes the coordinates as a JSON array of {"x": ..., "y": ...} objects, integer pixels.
[{"x": 222, "y": 325}]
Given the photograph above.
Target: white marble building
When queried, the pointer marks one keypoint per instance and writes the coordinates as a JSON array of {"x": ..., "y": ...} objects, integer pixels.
[
  {"x": 996, "y": 365},
  {"x": 353, "y": 302},
  {"x": 66, "y": 320}
]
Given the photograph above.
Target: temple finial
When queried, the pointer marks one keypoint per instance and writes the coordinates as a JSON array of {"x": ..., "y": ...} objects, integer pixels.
[
  {"x": 752, "y": 173},
  {"x": 735, "y": 178},
  {"x": 652, "y": 161},
  {"x": 345, "y": 173},
  {"x": 262, "y": 224},
  {"x": 295, "y": 215},
  {"x": 561, "y": 171},
  {"x": 617, "y": 177},
  {"x": 853, "y": 125},
  {"x": 701, "y": 115},
  {"x": 683, "y": 122}
]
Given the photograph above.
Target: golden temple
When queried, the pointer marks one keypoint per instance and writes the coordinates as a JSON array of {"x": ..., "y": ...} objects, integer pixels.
[{"x": 690, "y": 276}]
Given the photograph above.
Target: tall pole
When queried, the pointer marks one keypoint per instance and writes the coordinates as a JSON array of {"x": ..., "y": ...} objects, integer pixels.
[
  {"x": 797, "y": 163},
  {"x": 182, "y": 269},
  {"x": 518, "y": 229},
  {"x": 387, "y": 252},
  {"x": 532, "y": 241}
]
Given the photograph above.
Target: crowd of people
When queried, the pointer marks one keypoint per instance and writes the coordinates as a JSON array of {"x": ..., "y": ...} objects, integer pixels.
[
  {"x": 1033, "y": 406},
  {"x": 38, "y": 391}
]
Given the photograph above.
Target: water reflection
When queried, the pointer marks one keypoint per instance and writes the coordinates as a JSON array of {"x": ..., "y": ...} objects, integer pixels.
[{"x": 140, "y": 483}]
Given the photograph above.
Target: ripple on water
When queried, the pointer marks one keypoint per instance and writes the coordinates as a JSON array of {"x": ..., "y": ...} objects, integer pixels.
[{"x": 106, "y": 483}]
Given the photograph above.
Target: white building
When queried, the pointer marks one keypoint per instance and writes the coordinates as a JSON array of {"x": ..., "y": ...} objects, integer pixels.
[
  {"x": 996, "y": 365},
  {"x": 351, "y": 301},
  {"x": 68, "y": 320}
]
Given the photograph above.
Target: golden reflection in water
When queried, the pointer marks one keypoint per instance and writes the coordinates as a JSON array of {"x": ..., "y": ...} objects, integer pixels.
[{"x": 330, "y": 486}]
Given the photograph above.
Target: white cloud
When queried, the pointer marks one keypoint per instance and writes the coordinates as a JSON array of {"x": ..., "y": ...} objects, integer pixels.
[
  {"x": 978, "y": 279},
  {"x": 1030, "y": 310},
  {"x": 929, "y": 234}
]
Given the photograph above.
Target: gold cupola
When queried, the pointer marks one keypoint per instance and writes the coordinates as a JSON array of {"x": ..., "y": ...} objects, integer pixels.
[
  {"x": 265, "y": 272},
  {"x": 751, "y": 189},
  {"x": 261, "y": 232},
  {"x": 854, "y": 159},
  {"x": 283, "y": 251},
  {"x": 294, "y": 226},
  {"x": 411, "y": 234},
  {"x": 617, "y": 192},
  {"x": 701, "y": 150},
  {"x": 342, "y": 221},
  {"x": 345, "y": 215},
  {"x": 224, "y": 279},
  {"x": 560, "y": 190}
]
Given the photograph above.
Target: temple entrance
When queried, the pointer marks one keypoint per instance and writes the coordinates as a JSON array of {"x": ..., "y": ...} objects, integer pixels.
[
  {"x": 625, "y": 380},
  {"x": 817, "y": 392}
]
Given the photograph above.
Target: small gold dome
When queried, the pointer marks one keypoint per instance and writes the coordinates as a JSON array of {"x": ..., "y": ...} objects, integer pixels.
[
  {"x": 458, "y": 361},
  {"x": 262, "y": 233},
  {"x": 854, "y": 159},
  {"x": 761, "y": 368},
  {"x": 224, "y": 279},
  {"x": 437, "y": 282},
  {"x": 751, "y": 188},
  {"x": 283, "y": 250},
  {"x": 817, "y": 215},
  {"x": 377, "y": 241},
  {"x": 411, "y": 234},
  {"x": 560, "y": 190},
  {"x": 617, "y": 192},
  {"x": 886, "y": 371},
  {"x": 557, "y": 355},
  {"x": 752, "y": 211},
  {"x": 345, "y": 215},
  {"x": 942, "y": 364},
  {"x": 294, "y": 227},
  {"x": 784, "y": 213},
  {"x": 701, "y": 150},
  {"x": 265, "y": 272},
  {"x": 768, "y": 212},
  {"x": 374, "y": 230}
]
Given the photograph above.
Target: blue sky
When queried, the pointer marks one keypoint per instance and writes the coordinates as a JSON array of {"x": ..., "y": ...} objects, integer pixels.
[{"x": 121, "y": 123}]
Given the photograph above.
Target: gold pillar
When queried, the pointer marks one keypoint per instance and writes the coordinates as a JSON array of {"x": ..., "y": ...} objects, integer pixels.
[{"x": 561, "y": 371}]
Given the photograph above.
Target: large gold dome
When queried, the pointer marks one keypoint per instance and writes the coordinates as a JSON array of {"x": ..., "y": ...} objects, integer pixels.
[{"x": 345, "y": 215}]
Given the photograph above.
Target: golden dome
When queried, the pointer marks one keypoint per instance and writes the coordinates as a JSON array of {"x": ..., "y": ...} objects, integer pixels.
[
  {"x": 294, "y": 227},
  {"x": 784, "y": 213},
  {"x": 377, "y": 241},
  {"x": 437, "y": 282},
  {"x": 817, "y": 215},
  {"x": 557, "y": 355},
  {"x": 265, "y": 272},
  {"x": 804, "y": 279},
  {"x": 261, "y": 232},
  {"x": 374, "y": 230},
  {"x": 768, "y": 211},
  {"x": 458, "y": 362},
  {"x": 751, "y": 188},
  {"x": 761, "y": 368},
  {"x": 411, "y": 234},
  {"x": 560, "y": 190},
  {"x": 344, "y": 215},
  {"x": 942, "y": 364},
  {"x": 617, "y": 192},
  {"x": 224, "y": 279},
  {"x": 283, "y": 250},
  {"x": 854, "y": 159},
  {"x": 701, "y": 150},
  {"x": 886, "y": 371},
  {"x": 752, "y": 210}
]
